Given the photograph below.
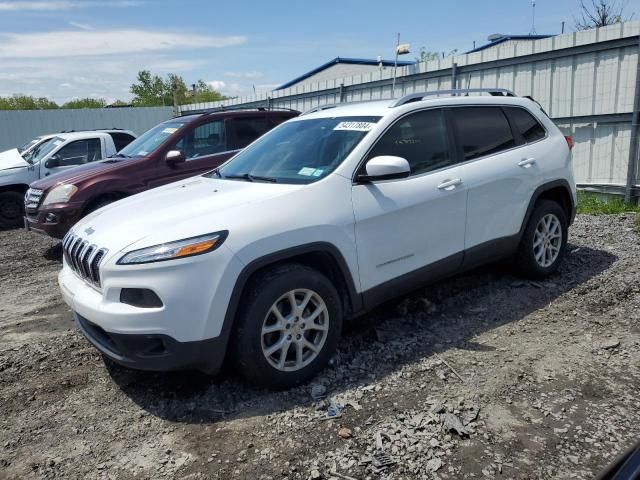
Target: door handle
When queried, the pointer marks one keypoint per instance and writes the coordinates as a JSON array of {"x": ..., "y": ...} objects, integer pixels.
[
  {"x": 450, "y": 184},
  {"x": 526, "y": 162}
]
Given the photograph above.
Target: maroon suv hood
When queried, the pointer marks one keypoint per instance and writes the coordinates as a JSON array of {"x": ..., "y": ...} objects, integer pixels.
[{"x": 84, "y": 172}]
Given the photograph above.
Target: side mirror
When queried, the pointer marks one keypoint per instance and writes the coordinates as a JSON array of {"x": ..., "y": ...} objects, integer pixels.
[
  {"x": 53, "y": 162},
  {"x": 385, "y": 167},
  {"x": 173, "y": 157}
]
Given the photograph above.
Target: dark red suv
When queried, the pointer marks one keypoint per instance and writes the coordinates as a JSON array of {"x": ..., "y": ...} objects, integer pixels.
[{"x": 178, "y": 148}]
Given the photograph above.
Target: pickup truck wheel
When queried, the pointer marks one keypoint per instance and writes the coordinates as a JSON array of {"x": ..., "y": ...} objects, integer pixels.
[
  {"x": 289, "y": 327},
  {"x": 544, "y": 240},
  {"x": 11, "y": 209}
]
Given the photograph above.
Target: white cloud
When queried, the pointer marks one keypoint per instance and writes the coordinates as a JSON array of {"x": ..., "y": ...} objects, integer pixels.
[
  {"x": 244, "y": 74},
  {"x": 231, "y": 89},
  {"x": 16, "y": 6},
  {"x": 81, "y": 26},
  {"x": 217, "y": 84},
  {"x": 108, "y": 42},
  {"x": 66, "y": 85}
]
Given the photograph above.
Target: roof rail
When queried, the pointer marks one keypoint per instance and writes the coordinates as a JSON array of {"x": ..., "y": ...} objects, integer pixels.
[
  {"x": 90, "y": 130},
  {"x": 415, "y": 97},
  {"x": 319, "y": 108},
  {"x": 234, "y": 108}
]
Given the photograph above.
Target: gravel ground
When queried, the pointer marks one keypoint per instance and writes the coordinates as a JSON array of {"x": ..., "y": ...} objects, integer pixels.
[{"x": 481, "y": 376}]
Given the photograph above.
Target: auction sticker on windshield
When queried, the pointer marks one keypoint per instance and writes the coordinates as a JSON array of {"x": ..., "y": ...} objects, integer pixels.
[{"x": 355, "y": 126}]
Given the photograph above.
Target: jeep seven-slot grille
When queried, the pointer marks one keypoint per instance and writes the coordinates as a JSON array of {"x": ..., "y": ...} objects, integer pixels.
[
  {"x": 83, "y": 257},
  {"x": 32, "y": 198}
]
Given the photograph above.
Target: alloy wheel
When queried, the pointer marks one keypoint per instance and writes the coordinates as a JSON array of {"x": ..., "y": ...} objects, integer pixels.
[
  {"x": 547, "y": 240},
  {"x": 295, "y": 330}
]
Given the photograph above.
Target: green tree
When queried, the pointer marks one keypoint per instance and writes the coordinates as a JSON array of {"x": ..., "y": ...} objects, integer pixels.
[
  {"x": 206, "y": 93},
  {"x": 26, "y": 102},
  {"x": 149, "y": 90},
  {"x": 152, "y": 90},
  {"x": 85, "y": 103}
]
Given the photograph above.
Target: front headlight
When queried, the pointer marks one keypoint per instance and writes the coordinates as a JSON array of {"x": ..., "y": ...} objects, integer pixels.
[
  {"x": 178, "y": 249},
  {"x": 60, "y": 194}
]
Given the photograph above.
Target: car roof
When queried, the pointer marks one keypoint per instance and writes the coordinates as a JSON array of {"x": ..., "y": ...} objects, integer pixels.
[
  {"x": 383, "y": 108},
  {"x": 81, "y": 135}
]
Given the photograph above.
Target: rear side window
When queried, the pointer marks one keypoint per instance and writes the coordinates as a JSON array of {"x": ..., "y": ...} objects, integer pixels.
[
  {"x": 419, "y": 138},
  {"x": 121, "y": 139},
  {"x": 526, "y": 124},
  {"x": 482, "y": 131},
  {"x": 246, "y": 130}
]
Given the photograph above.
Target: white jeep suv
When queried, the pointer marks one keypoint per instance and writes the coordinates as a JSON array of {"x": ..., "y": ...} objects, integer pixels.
[{"x": 318, "y": 221}]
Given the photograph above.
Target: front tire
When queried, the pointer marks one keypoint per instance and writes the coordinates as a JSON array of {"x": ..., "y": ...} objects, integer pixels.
[
  {"x": 544, "y": 241},
  {"x": 11, "y": 209},
  {"x": 288, "y": 328}
]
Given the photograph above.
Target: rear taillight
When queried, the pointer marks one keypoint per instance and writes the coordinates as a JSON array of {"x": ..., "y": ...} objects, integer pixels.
[{"x": 569, "y": 141}]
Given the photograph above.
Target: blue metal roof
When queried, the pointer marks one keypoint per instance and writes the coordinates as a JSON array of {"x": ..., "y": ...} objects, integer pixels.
[
  {"x": 350, "y": 61},
  {"x": 504, "y": 38}
]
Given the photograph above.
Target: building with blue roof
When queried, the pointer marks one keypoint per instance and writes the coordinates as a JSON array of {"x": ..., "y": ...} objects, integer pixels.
[{"x": 341, "y": 67}]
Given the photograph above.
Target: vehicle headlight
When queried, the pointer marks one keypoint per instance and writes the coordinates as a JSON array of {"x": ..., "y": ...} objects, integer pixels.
[
  {"x": 60, "y": 194},
  {"x": 178, "y": 249}
]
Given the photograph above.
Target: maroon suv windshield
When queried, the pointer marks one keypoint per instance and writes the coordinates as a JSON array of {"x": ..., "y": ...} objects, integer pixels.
[{"x": 146, "y": 143}]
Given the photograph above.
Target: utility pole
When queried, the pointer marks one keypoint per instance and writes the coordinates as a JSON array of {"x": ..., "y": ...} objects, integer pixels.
[{"x": 395, "y": 67}]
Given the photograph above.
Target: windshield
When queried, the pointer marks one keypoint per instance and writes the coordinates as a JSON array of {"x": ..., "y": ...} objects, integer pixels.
[
  {"x": 42, "y": 150},
  {"x": 150, "y": 140},
  {"x": 29, "y": 144},
  {"x": 302, "y": 151}
]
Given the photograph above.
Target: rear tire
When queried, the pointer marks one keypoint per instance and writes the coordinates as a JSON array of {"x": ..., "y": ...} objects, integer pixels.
[
  {"x": 277, "y": 344},
  {"x": 11, "y": 209},
  {"x": 544, "y": 241}
]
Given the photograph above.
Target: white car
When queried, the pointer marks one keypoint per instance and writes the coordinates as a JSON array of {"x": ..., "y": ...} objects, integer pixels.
[
  {"x": 318, "y": 221},
  {"x": 47, "y": 155}
]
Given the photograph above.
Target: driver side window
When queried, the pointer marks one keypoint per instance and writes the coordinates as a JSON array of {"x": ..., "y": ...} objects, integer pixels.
[
  {"x": 419, "y": 138},
  {"x": 80, "y": 152},
  {"x": 205, "y": 139}
]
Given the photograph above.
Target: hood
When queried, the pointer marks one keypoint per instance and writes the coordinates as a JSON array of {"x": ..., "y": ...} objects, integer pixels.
[
  {"x": 179, "y": 210},
  {"x": 80, "y": 173},
  {"x": 12, "y": 159}
]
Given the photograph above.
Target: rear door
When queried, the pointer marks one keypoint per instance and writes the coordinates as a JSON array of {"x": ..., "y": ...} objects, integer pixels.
[
  {"x": 498, "y": 173},
  {"x": 405, "y": 225}
]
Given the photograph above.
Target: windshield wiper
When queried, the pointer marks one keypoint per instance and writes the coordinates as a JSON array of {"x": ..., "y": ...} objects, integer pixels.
[
  {"x": 118, "y": 155},
  {"x": 252, "y": 178}
]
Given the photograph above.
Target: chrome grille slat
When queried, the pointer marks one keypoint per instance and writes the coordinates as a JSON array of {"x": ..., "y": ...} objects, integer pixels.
[
  {"x": 32, "y": 198},
  {"x": 83, "y": 257}
]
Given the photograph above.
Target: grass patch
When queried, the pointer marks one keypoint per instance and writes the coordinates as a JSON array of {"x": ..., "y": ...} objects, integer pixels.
[{"x": 590, "y": 204}]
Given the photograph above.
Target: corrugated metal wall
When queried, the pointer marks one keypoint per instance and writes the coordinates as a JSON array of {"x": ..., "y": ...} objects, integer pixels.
[
  {"x": 19, "y": 126},
  {"x": 584, "y": 80}
]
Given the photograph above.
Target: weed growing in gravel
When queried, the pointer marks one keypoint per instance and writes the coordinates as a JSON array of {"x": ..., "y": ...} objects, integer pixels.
[{"x": 590, "y": 204}]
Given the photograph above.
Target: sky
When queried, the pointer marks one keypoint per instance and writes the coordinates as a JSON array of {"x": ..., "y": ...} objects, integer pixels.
[{"x": 65, "y": 49}]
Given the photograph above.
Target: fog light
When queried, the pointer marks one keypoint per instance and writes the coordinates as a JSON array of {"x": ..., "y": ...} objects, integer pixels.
[
  {"x": 51, "y": 218},
  {"x": 140, "y": 297}
]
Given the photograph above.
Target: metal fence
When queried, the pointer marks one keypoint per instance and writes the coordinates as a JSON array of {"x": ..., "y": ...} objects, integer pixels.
[
  {"x": 19, "y": 126},
  {"x": 586, "y": 81}
]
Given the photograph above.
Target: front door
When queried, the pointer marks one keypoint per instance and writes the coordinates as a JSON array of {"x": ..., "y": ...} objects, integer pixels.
[
  {"x": 204, "y": 147},
  {"x": 71, "y": 155},
  {"x": 410, "y": 228}
]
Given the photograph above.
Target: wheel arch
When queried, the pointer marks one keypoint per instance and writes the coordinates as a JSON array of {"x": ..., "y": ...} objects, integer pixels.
[
  {"x": 323, "y": 256},
  {"x": 16, "y": 187},
  {"x": 560, "y": 192},
  {"x": 112, "y": 196}
]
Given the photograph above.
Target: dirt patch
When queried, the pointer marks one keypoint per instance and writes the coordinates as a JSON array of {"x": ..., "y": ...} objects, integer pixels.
[{"x": 483, "y": 375}]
